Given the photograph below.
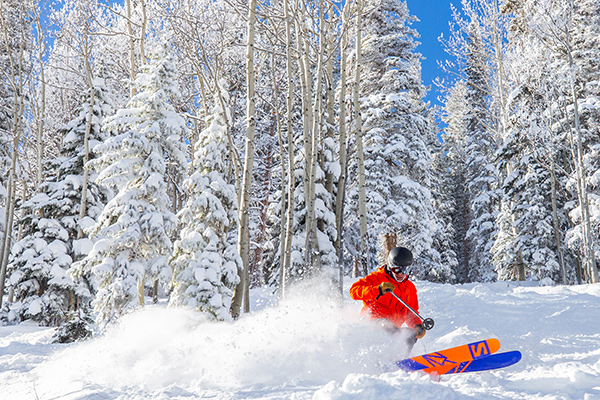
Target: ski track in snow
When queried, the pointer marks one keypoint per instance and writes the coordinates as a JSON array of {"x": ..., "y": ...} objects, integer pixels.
[{"x": 311, "y": 348}]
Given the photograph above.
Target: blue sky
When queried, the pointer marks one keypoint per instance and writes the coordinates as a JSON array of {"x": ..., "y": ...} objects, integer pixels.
[{"x": 434, "y": 16}]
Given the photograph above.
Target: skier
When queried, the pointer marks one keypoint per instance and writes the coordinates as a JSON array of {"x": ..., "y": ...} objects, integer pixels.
[{"x": 374, "y": 290}]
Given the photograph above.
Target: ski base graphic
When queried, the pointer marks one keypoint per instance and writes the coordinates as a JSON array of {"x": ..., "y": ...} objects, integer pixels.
[
  {"x": 452, "y": 356},
  {"x": 471, "y": 357},
  {"x": 495, "y": 361}
]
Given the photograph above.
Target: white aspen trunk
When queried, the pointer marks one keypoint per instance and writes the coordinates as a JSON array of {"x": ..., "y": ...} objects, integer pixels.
[
  {"x": 9, "y": 219},
  {"x": 131, "y": 48},
  {"x": 242, "y": 290},
  {"x": 312, "y": 243},
  {"x": 232, "y": 150},
  {"x": 588, "y": 241},
  {"x": 341, "y": 184},
  {"x": 330, "y": 123},
  {"x": 88, "y": 130},
  {"x": 303, "y": 50},
  {"x": 307, "y": 124},
  {"x": 503, "y": 121},
  {"x": 360, "y": 157},
  {"x": 500, "y": 67},
  {"x": 16, "y": 81},
  {"x": 143, "y": 33},
  {"x": 286, "y": 247},
  {"x": 330, "y": 107},
  {"x": 555, "y": 223},
  {"x": 284, "y": 192},
  {"x": 41, "y": 111}
]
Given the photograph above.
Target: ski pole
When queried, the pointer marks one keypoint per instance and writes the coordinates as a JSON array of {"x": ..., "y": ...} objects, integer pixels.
[{"x": 427, "y": 322}]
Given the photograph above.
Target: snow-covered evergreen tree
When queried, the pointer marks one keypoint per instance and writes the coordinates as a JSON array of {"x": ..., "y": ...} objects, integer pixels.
[
  {"x": 444, "y": 205},
  {"x": 205, "y": 260},
  {"x": 479, "y": 146},
  {"x": 560, "y": 42},
  {"x": 324, "y": 219},
  {"x": 585, "y": 47},
  {"x": 40, "y": 261},
  {"x": 37, "y": 268},
  {"x": 397, "y": 132},
  {"x": 528, "y": 244},
  {"x": 454, "y": 179},
  {"x": 133, "y": 231},
  {"x": 526, "y": 236}
]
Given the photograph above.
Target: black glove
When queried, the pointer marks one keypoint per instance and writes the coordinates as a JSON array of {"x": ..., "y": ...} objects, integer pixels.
[{"x": 386, "y": 287}]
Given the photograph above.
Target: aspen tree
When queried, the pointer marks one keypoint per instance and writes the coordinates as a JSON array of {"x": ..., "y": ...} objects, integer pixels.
[
  {"x": 13, "y": 26},
  {"x": 360, "y": 156},
  {"x": 242, "y": 290},
  {"x": 286, "y": 247},
  {"x": 341, "y": 184}
]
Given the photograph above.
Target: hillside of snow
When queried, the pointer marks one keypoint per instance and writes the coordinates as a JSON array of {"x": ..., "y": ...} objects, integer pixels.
[{"x": 313, "y": 347}]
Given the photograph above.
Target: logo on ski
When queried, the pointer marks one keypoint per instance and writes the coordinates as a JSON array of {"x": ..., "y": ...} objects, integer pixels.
[
  {"x": 479, "y": 349},
  {"x": 458, "y": 359},
  {"x": 436, "y": 359}
]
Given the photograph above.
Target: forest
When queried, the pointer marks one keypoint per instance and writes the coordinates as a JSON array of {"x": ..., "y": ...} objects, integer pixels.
[{"x": 188, "y": 150}]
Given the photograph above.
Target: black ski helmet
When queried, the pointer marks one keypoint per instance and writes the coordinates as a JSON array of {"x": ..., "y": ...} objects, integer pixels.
[{"x": 400, "y": 257}]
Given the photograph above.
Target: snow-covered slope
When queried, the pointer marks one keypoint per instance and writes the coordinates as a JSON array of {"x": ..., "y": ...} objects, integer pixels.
[{"x": 311, "y": 347}]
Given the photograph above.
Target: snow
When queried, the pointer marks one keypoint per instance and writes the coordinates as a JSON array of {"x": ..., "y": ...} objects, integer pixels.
[
  {"x": 82, "y": 246},
  {"x": 311, "y": 347}
]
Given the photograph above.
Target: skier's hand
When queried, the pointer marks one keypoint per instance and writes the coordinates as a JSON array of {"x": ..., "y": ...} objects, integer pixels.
[
  {"x": 386, "y": 287},
  {"x": 420, "y": 331}
]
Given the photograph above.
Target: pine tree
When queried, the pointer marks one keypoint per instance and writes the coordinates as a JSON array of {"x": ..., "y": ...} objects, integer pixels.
[
  {"x": 133, "y": 231},
  {"x": 532, "y": 217},
  {"x": 585, "y": 50},
  {"x": 397, "y": 134},
  {"x": 40, "y": 261},
  {"x": 567, "y": 31},
  {"x": 481, "y": 173},
  {"x": 526, "y": 233},
  {"x": 16, "y": 41},
  {"x": 205, "y": 260},
  {"x": 445, "y": 205},
  {"x": 455, "y": 183}
]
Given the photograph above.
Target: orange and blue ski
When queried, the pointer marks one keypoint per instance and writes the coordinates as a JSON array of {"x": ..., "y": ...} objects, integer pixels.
[
  {"x": 445, "y": 360},
  {"x": 494, "y": 361}
]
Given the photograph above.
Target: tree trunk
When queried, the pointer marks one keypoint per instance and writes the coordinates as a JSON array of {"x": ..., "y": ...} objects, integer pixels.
[
  {"x": 88, "y": 130},
  {"x": 589, "y": 262},
  {"x": 389, "y": 242},
  {"x": 286, "y": 247},
  {"x": 341, "y": 184},
  {"x": 556, "y": 224},
  {"x": 241, "y": 293},
  {"x": 143, "y": 33},
  {"x": 360, "y": 157},
  {"x": 16, "y": 81},
  {"x": 41, "y": 110},
  {"x": 307, "y": 125},
  {"x": 312, "y": 244},
  {"x": 131, "y": 48}
]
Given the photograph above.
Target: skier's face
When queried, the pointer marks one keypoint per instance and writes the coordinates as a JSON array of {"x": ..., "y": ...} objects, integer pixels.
[{"x": 398, "y": 273}]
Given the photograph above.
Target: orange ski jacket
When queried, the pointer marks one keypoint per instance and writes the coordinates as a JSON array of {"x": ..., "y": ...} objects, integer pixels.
[{"x": 387, "y": 306}]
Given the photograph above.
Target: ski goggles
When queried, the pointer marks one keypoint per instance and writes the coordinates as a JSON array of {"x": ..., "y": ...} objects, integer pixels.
[{"x": 397, "y": 269}]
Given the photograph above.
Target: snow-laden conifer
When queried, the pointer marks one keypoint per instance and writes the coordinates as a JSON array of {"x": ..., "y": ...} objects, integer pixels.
[
  {"x": 205, "y": 259},
  {"x": 40, "y": 261},
  {"x": 133, "y": 231},
  {"x": 471, "y": 144},
  {"x": 528, "y": 242},
  {"x": 453, "y": 176},
  {"x": 397, "y": 131}
]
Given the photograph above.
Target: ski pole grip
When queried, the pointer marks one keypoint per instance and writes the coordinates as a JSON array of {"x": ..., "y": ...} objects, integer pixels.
[{"x": 428, "y": 323}]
